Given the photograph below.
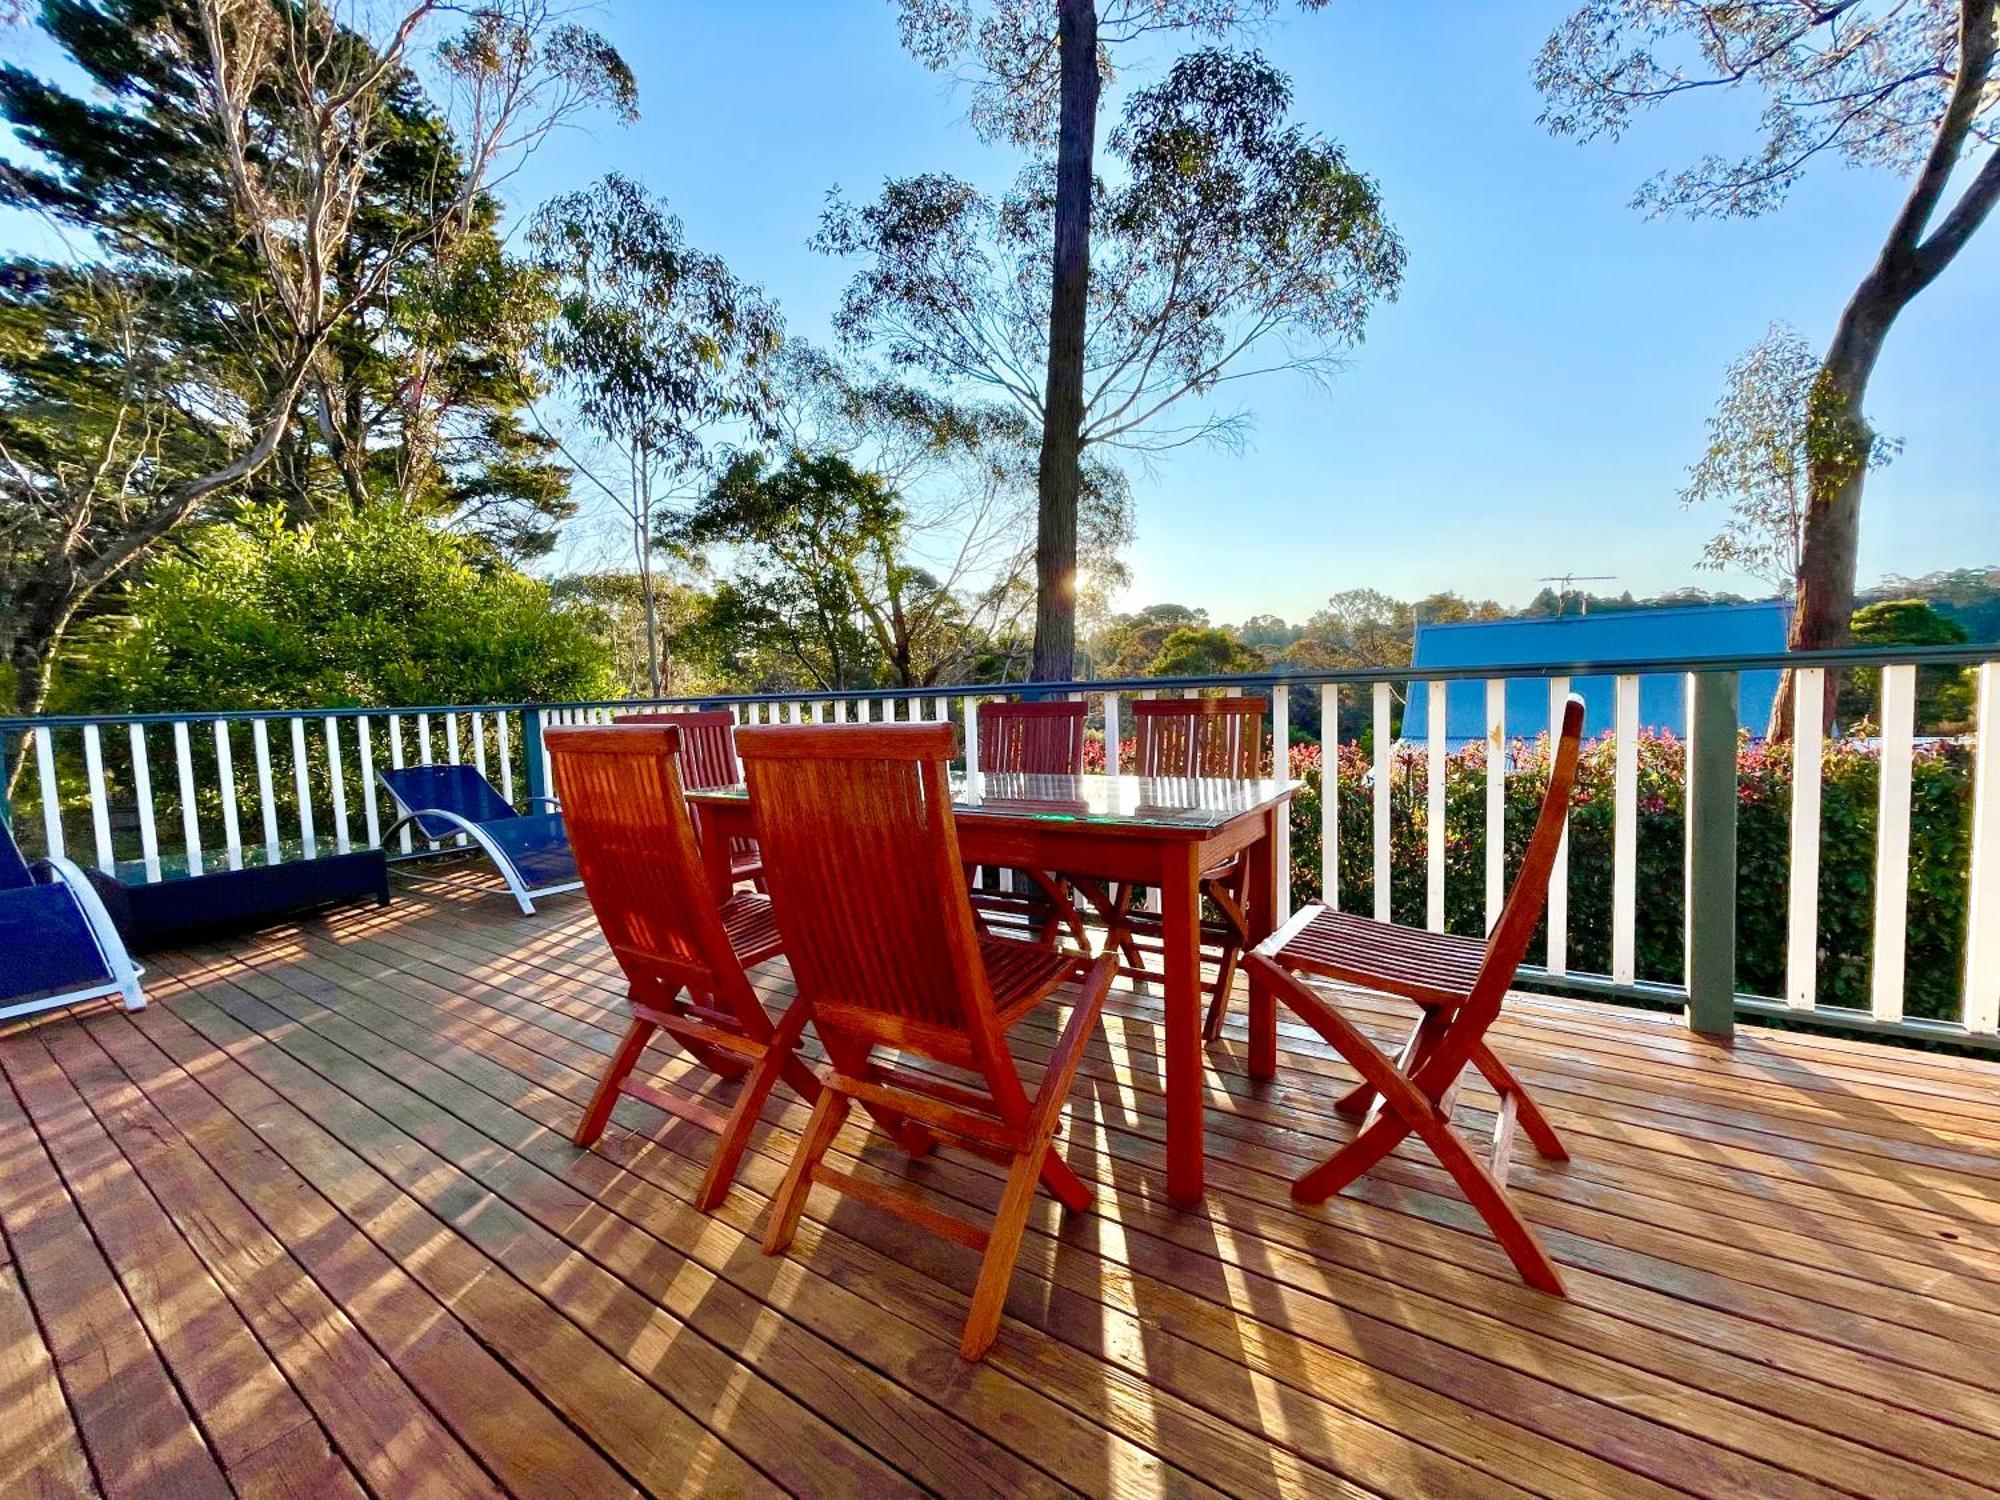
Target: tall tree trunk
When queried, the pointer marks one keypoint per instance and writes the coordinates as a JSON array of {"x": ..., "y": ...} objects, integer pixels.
[
  {"x": 1061, "y": 475},
  {"x": 642, "y": 544},
  {"x": 1839, "y": 442}
]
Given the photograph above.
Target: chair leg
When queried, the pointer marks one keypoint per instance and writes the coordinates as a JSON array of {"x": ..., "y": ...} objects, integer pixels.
[
  {"x": 1003, "y": 1247},
  {"x": 749, "y": 1105},
  {"x": 1526, "y": 1112},
  {"x": 1513, "y": 1232},
  {"x": 828, "y": 1115},
  {"x": 1405, "y": 1109},
  {"x": 1352, "y": 1160},
  {"x": 637, "y": 1035},
  {"x": 1227, "y": 896},
  {"x": 1062, "y": 1182}
]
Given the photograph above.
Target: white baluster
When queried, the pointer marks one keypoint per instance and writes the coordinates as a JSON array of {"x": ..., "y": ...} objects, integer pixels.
[
  {"x": 1111, "y": 734},
  {"x": 302, "y": 781},
  {"x": 100, "y": 808},
  {"x": 371, "y": 818},
  {"x": 396, "y": 764},
  {"x": 337, "y": 784},
  {"x": 1802, "y": 907},
  {"x": 1496, "y": 799},
  {"x": 1383, "y": 705},
  {"x": 1434, "y": 809},
  {"x": 1625, "y": 834},
  {"x": 451, "y": 740},
  {"x": 424, "y": 738},
  {"x": 1982, "y": 947},
  {"x": 1558, "y": 907},
  {"x": 260, "y": 740},
  {"x": 1329, "y": 794},
  {"x": 190, "y": 814},
  {"x": 479, "y": 743},
  {"x": 45, "y": 776},
  {"x": 506, "y": 755},
  {"x": 225, "y": 775},
  {"x": 142, "y": 791},
  {"x": 1281, "y": 767},
  {"x": 1892, "y": 843}
]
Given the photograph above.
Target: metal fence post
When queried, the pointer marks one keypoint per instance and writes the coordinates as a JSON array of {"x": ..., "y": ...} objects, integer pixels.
[
  {"x": 531, "y": 752},
  {"x": 1711, "y": 853}
]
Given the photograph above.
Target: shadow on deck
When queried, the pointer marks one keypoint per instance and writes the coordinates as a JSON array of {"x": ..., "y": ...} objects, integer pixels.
[{"x": 311, "y": 1224}]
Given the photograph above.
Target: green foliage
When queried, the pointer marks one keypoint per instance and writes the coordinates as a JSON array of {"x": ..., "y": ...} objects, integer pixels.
[
  {"x": 1944, "y": 694},
  {"x": 376, "y": 610},
  {"x": 1231, "y": 229},
  {"x": 1940, "y": 827},
  {"x": 1202, "y": 651}
]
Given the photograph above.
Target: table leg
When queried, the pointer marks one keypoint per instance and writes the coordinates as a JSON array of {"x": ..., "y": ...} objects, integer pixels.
[
  {"x": 713, "y": 825},
  {"x": 1261, "y": 915},
  {"x": 1180, "y": 934}
]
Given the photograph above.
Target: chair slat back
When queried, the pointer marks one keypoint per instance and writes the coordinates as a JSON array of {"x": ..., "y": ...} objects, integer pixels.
[
  {"x": 1507, "y": 944},
  {"x": 634, "y": 842},
  {"x": 861, "y": 859},
  {"x": 1034, "y": 739},
  {"x": 708, "y": 744},
  {"x": 1200, "y": 736}
]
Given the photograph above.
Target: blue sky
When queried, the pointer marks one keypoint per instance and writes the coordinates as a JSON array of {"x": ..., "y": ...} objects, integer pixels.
[{"x": 1531, "y": 404}]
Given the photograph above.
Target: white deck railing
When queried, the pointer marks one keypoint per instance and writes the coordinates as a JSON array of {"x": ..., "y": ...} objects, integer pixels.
[{"x": 151, "y": 796}]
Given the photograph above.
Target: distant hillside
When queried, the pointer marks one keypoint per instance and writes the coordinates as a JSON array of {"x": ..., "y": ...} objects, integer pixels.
[{"x": 1971, "y": 596}]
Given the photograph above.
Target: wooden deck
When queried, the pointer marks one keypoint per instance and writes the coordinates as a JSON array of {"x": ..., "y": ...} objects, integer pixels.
[{"x": 311, "y": 1225}]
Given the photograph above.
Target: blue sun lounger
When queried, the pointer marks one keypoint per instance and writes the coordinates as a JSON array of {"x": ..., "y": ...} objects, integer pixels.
[
  {"x": 530, "y": 850},
  {"x": 57, "y": 944}
]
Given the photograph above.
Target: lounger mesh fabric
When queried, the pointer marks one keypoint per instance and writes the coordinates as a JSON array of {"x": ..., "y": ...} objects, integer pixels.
[
  {"x": 455, "y": 789},
  {"x": 46, "y": 947},
  {"x": 537, "y": 845}
]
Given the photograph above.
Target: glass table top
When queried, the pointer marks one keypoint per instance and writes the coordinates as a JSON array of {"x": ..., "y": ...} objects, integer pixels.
[{"x": 1183, "y": 802}]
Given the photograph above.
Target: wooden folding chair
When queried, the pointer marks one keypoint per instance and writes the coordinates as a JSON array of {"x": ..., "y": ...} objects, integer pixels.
[
  {"x": 862, "y": 855},
  {"x": 1035, "y": 739},
  {"x": 684, "y": 956},
  {"x": 1209, "y": 737},
  {"x": 708, "y": 759},
  {"x": 1458, "y": 985}
]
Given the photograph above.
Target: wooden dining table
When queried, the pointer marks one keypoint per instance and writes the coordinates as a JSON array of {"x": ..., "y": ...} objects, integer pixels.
[{"x": 1157, "y": 832}]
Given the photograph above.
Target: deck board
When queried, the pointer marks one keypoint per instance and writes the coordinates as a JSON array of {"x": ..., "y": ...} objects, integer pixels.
[{"x": 311, "y": 1223}]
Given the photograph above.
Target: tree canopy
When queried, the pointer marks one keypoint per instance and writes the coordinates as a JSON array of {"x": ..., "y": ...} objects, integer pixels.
[{"x": 374, "y": 609}]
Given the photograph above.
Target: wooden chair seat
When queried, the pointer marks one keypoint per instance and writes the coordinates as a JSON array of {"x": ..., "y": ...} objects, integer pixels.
[
  {"x": 752, "y": 928},
  {"x": 1431, "y": 968},
  {"x": 1023, "y": 974},
  {"x": 1459, "y": 985}
]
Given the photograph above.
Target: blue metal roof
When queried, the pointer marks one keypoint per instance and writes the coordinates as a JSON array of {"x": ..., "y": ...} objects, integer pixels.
[{"x": 1702, "y": 630}]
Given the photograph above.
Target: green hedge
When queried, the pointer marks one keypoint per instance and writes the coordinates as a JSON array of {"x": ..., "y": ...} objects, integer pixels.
[{"x": 1940, "y": 841}]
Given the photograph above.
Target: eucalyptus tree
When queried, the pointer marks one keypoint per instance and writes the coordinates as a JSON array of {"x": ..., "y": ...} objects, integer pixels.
[
  {"x": 1902, "y": 85},
  {"x": 1233, "y": 242},
  {"x": 246, "y": 188},
  {"x": 656, "y": 345},
  {"x": 1758, "y": 458},
  {"x": 1040, "y": 67}
]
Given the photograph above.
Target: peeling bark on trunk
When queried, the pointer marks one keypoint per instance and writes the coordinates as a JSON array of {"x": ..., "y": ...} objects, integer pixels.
[{"x": 1060, "y": 476}]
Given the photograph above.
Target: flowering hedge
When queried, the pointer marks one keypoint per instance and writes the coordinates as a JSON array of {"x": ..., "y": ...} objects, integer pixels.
[{"x": 1940, "y": 836}]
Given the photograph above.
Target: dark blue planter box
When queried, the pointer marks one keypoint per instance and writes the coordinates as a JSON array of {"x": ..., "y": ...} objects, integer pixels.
[{"x": 168, "y": 912}]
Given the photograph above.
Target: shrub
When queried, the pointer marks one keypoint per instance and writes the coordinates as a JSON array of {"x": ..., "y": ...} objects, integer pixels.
[{"x": 1941, "y": 806}]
